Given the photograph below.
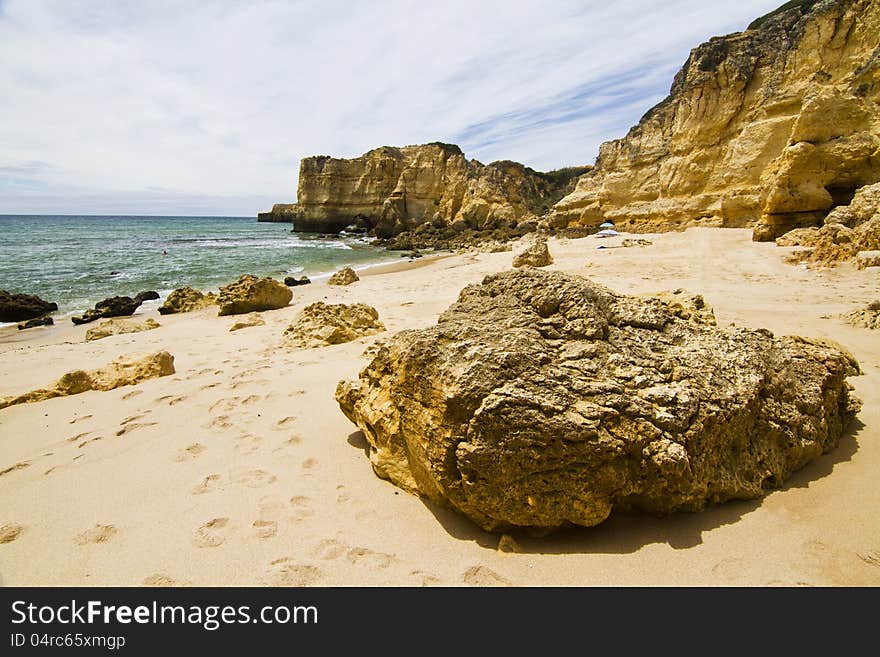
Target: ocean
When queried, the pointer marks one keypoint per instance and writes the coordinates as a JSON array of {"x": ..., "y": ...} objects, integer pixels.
[{"x": 76, "y": 261}]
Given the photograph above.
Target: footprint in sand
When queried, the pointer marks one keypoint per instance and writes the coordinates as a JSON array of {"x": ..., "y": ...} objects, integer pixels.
[
  {"x": 78, "y": 436},
  {"x": 871, "y": 558},
  {"x": 284, "y": 423},
  {"x": 253, "y": 478},
  {"x": 482, "y": 576},
  {"x": 209, "y": 483},
  {"x": 730, "y": 569},
  {"x": 310, "y": 464},
  {"x": 361, "y": 556},
  {"x": 265, "y": 528},
  {"x": 212, "y": 533},
  {"x": 86, "y": 442},
  {"x": 18, "y": 466},
  {"x": 188, "y": 453},
  {"x": 295, "y": 439},
  {"x": 425, "y": 579},
  {"x": 286, "y": 572},
  {"x": 161, "y": 579},
  {"x": 134, "y": 426},
  {"x": 301, "y": 507},
  {"x": 81, "y": 418},
  {"x": 342, "y": 494},
  {"x": 208, "y": 386},
  {"x": 9, "y": 532},
  {"x": 249, "y": 382},
  {"x": 97, "y": 534},
  {"x": 247, "y": 443},
  {"x": 330, "y": 548},
  {"x": 133, "y": 393},
  {"x": 221, "y": 422}
]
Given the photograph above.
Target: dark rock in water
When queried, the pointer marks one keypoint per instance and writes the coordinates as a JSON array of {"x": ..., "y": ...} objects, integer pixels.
[
  {"x": 39, "y": 321},
  {"x": 112, "y": 307},
  {"x": 149, "y": 295},
  {"x": 290, "y": 281},
  {"x": 20, "y": 307},
  {"x": 542, "y": 399}
]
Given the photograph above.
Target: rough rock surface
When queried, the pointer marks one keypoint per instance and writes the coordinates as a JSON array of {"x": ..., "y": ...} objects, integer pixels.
[
  {"x": 629, "y": 242},
  {"x": 37, "y": 321},
  {"x": 110, "y": 307},
  {"x": 390, "y": 190},
  {"x": 187, "y": 299},
  {"x": 865, "y": 259},
  {"x": 124, "y": 371},
  {"x": 345, "y": 276},
  {"x": 282, "y": 213},
  {"x": 867, "y": 317},
  {"x": 251, "y": 294},
  {"x": 16, "y": 307},
  {"x": 535, "y": 254},
  {"x": 248, "y": 321},
  {"x": 772, "y": 126},
  {"x": 542, "y": 399},
  {"x": 117, "y": 326},
  {"x": 321, "y": 324},
  {"x": 847, "y": 231}
]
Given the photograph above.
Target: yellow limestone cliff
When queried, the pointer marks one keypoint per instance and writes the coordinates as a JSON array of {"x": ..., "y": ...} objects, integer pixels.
[
  {"x": 772, "y": 127},
  {"x": 390, "y": 190}
]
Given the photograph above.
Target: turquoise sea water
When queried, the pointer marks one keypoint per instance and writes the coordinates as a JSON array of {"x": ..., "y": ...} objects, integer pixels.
[{"x": 76, "y": 261}]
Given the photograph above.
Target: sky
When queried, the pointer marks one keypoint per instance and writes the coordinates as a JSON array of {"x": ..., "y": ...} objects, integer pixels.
[{"x": 206, "y": 107}]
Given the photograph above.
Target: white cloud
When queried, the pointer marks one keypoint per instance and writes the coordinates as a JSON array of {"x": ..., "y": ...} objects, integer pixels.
[{"x": 114, "y": 106}]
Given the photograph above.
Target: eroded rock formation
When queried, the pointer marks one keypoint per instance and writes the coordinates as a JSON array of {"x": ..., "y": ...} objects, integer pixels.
[
  {"x": 534, "y": 253},
  {"x": 251, "y": 294},
  {"x": 118, "y": 326},
  {"x": 124, "y": 371},
  {"x": 771, "y": 127},
  {"x": 541, "y": 399},
  {"x": 187, "y": 299},
  {"x": 321, "y": 324},
  {"x": 345, "y": 276},
  {"x": 849, "y": 232},
  {"x": 390, "y": 190}
]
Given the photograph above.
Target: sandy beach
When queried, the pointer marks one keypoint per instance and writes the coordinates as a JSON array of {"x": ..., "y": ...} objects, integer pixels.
[{"x": 240, "y": 469}]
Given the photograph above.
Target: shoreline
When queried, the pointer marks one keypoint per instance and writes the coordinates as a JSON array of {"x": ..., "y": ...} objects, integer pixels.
[
  {"x": 246, "y": 468},
  {"x": 8, "y": 329}
]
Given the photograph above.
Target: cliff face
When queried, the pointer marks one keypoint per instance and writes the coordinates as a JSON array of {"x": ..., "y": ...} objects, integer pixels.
[
  {"x": 280, "y": 213},
  {"x": 391, "y": 190},
  {"x": 771, "y": 127}
]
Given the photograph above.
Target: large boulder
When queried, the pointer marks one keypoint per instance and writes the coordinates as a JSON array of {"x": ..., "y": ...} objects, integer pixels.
[
  {"x": 187, "y": 299},
  {"x": 250, "y": 294},
  {"x": 345, "y": 276},
  {"x": 534, "y": 254},
  {"x": 321, "y": 324},
  {"x": 124, "y": 371},
  {"x": 542, "y": 399},
  {"x": 118, "y": 326},
  {"x": 111, "y": 307},
  {"x": 20, "y": 307}
]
